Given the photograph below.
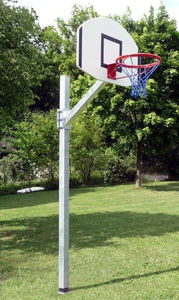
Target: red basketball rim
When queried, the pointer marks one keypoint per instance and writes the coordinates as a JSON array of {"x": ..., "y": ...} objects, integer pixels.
[{"x": 124, "y": 57}]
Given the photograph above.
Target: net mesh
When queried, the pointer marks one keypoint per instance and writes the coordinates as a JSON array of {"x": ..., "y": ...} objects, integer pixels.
[{"x": 138, "y": 77}]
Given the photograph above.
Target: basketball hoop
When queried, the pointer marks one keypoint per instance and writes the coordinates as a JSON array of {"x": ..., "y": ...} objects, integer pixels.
[{"x": 137, "y": 72}]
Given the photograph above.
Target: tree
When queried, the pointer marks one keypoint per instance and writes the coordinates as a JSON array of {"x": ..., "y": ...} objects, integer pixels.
[
  {"x": 134, "y": 127},
  {"x": 46, "y": 128},
  {"x": 87, "y": 148},
  {"x": 27, "y": 146},
  {"x": 20, "y": 61},
  {"x": 143, "y": 121},
  {"x": 139, "y": 122},
  {"x": 47, "y": 93},
  {"x": 13, "y": 169},
  {"x": 160, "y": 36},
  {"x": 59, "y": 54},
  {"x": 68, "y": 33},
  {"x": 35, "y": 141}
]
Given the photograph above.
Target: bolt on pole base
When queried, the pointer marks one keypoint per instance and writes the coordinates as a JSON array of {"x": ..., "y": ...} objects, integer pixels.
[{"x": 63, "y": 291}]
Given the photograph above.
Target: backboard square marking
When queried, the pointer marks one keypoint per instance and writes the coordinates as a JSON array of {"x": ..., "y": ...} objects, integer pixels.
[{"x": 118, "y": 50}]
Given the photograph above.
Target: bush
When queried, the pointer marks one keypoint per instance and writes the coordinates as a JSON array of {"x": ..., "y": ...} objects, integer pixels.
[
  {"x": 173, "y": 165},
  {"x": 12, "y": 188},
  {"x": 111, "y": 174},
  {"x": 49, "y": 184},
  {"x": 120, "y": 170},
  {"x": 97, "y": 178},
  {"x": 75, "y": 181}
]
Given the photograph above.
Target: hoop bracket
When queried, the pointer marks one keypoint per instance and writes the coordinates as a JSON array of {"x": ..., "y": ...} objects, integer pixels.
[{"x": 111, "y": 71}]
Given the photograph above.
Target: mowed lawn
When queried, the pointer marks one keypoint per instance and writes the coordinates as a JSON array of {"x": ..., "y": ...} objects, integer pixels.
[{"x": 123, "y": 244}]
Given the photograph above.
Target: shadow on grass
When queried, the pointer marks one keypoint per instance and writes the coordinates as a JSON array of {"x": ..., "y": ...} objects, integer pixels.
[
  {"x": 36, "y": 198},
  {"x": 118, "y": 280},
  {"x": 40, "y": 234},
  {"x": 173, "y": 186},
  {"x": 27, "y": 200}
]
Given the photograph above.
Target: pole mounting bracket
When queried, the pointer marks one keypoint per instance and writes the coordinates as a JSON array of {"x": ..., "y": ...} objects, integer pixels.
[{"x": 61, "y": 114}]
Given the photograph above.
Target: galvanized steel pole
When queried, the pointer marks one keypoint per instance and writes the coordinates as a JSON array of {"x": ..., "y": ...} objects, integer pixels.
[
  {"x": 65, "y": 117},
  {"x": 64, "y": 188}
]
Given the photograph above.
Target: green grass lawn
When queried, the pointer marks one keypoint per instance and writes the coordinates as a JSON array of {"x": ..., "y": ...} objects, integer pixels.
[{"x": 123, "y": 244}]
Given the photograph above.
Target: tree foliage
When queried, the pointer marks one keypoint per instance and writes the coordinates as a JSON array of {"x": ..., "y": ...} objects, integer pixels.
[
  {"x": 87, "y": 150},
  {"x": 31, "y": 61},
  {"x": 35, "y": 142},
  {"x": 20, "y": 60},
  {"x": 59, "y": 48},
  {"x": 150, "y": 123}
]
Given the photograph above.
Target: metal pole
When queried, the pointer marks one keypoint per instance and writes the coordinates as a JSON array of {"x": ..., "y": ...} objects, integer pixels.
[
  {"x": 64, "y": 188},
  {"x": 65, "y": 117}
]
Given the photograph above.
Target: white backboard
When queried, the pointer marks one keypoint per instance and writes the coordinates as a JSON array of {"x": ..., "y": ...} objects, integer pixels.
[{"x": 99, "y": 42}]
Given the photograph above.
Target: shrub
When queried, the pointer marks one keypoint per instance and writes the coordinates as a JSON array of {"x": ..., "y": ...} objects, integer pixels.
[
  {"x": 49, "y": 184},
  {"x": 120, "y": 170}
]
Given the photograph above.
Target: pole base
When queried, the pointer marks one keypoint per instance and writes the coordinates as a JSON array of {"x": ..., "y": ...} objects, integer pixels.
[{"x": 63, "y": 291}]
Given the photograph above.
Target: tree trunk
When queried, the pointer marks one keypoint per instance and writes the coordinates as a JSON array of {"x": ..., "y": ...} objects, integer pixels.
[
  {"x": 88, "y": 176},
  {"x": 29, "y": 175},
  {"x": 51, "y": 173},
  {"x": 139, "y": 162},
  {"x": 4, "y": 176}
]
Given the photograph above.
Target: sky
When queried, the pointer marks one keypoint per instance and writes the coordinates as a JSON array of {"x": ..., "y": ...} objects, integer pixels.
[{"x": 49, "y": 11}]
